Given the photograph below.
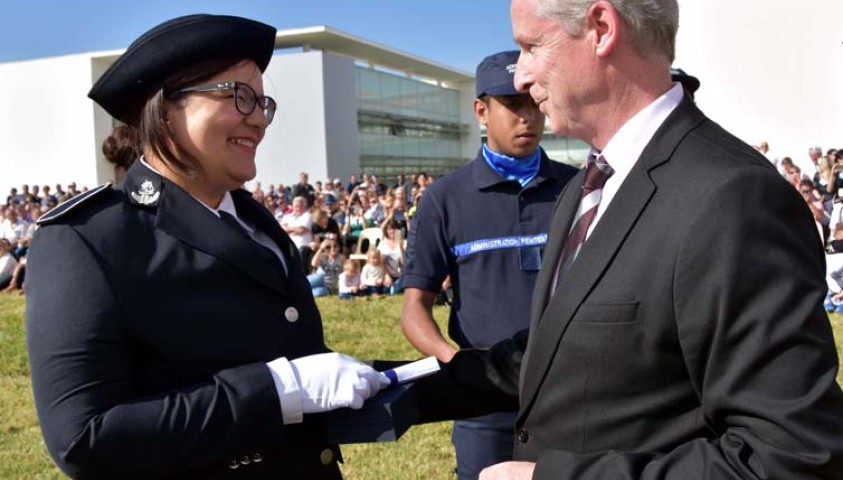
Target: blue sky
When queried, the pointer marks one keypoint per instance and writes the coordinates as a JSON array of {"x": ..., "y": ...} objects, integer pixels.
[{"x": 458, "y": 33}]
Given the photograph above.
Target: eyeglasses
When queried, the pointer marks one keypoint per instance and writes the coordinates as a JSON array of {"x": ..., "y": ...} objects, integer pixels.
[{"x": 245, "y": 97}]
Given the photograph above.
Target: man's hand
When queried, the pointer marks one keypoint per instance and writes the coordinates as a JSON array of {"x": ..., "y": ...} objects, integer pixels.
[{"x": 509, "y": 471}]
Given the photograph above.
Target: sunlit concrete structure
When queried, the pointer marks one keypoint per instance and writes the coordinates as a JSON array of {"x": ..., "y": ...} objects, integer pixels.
[
  {"x": 769, "y": 71},
  {"x": 345, "y": 105}
]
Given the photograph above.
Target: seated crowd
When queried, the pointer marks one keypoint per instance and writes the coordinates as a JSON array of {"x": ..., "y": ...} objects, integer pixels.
[
  {"x": 18, "y": 217},
  {"x": 819, "y": 180},
  {"x": 326, "y": 219}
]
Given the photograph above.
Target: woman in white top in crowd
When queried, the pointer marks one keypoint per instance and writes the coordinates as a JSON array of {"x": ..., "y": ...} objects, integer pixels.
[{"x": 392, "y": 252}]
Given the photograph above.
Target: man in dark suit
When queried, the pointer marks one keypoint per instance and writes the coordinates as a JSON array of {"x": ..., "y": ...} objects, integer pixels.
[{"x": 687, "y": 337}]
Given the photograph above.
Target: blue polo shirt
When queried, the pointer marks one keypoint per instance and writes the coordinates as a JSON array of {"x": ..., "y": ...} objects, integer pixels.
[{"x": 489, "y": 234}]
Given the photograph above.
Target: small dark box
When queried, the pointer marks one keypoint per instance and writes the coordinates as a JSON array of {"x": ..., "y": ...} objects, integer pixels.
[{"x": 383, "y": 418}]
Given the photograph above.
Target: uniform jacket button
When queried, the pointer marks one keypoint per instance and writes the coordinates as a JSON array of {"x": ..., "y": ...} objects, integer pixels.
[
  {"x": 291, "y": 314},
  {"x": 234, "y": 464},
  {"x": 257, "y": 458},
  {"x": 326, "y": 457},
  {"x": 245, "y": 460},
  {"x": 523, "y": 435}
]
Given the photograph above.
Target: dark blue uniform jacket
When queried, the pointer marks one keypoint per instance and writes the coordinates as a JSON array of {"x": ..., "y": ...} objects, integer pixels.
[{"x": 149, "y": 322}]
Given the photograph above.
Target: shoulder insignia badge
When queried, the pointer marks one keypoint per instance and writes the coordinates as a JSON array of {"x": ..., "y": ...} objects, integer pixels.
[
  {"x": 61, "y": 209},
  {"x": 146, "y": 194}
]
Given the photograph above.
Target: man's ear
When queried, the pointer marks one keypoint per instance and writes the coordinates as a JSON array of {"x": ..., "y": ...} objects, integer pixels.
[
  {"x": 481, "y": 110},
  {"x": 604, "y": 24}
]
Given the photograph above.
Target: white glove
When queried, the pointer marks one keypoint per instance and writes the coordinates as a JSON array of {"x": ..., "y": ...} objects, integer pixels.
[{"x": 328, "y": 381}]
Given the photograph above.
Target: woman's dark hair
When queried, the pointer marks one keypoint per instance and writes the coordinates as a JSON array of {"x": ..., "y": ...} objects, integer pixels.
[
  {"x": 154, "y": 133},
  {"x": 391, "y": 223},
  {"x": 121, "y": 147}
]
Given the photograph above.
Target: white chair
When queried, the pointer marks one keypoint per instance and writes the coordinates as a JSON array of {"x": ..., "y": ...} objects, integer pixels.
[{"x": 369, "y": 238}]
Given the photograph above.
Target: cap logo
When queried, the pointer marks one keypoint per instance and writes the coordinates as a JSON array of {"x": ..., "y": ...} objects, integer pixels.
[{"x": 510, "y": 69}]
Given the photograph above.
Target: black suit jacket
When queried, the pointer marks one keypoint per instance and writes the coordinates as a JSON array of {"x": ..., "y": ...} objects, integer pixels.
[
  {"x": 688, "y": 338},
  {"x": 149, "y": 322}
]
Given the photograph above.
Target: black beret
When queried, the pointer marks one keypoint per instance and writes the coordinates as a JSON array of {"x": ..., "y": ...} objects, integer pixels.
[
  {"x": 689, "y": 82},
  {"x": 184, "y": 41}
]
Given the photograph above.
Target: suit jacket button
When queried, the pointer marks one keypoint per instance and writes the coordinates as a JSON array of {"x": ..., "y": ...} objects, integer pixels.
[
  {"x": 257, "y": 458},
  {"x": 523, "y": 435},
  {"x": 245, "y": 460},
  {"x": 326, "y": 457},
  {"x": 234, "y": 464},
  {"x": 291, "y": 314}
]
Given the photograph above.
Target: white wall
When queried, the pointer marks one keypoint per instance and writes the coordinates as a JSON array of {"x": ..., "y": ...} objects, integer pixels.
[
  {"x": 770, "y": 69},
  {"x": 340, "y": 110},
  {"x": 295, "y": 141},
  {"x": 315, "y": 128},
  {"x": 46, "y": 123}
]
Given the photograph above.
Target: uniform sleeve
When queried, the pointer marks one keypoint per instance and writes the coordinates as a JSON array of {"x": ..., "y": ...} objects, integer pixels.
[
  {"x": 475, "y": 382},
  {"x": 758, "y": 347},
  {"x": 428, "y": 252},
  {"x": 82, "y": 361}
]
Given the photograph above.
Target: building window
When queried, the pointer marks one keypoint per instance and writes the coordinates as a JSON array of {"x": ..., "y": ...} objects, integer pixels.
[{"x": 406, "y": 125}]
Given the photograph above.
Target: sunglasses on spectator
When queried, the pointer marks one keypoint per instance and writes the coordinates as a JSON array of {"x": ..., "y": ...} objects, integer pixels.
[{"x": 245, "y": 97}]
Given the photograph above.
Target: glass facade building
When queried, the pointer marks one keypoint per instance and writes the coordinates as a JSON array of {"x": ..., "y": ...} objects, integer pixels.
[{"x": 407, "y": 125}]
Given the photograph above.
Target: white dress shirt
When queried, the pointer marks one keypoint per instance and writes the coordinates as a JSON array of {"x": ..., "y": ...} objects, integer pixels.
[{"x": 626, "y": 145}]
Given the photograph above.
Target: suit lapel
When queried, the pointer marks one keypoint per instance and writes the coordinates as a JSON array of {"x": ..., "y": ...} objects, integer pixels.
[
  {"x": 548, "y": 323},
  {"x": 184, "y": 218}
]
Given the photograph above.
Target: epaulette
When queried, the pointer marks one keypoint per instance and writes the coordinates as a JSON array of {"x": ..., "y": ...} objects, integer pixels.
[{"x": 63, "y": 208}]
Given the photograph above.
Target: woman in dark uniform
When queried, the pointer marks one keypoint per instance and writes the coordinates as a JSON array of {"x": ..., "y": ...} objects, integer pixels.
[{"x": 171, "y": 329}]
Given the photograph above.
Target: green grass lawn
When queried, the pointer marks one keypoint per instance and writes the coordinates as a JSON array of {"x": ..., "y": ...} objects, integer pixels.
[{"x": 364, "y": 329}]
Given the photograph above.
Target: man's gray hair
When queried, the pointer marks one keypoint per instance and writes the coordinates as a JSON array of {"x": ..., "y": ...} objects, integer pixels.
[{"x": 653, "y": 23}]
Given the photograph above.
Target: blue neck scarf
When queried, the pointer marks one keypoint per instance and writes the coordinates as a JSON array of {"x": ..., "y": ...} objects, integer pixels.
[{"x": 512, "y": 168}]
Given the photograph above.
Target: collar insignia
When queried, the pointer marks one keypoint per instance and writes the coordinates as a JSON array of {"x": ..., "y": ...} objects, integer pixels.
[{"x": 146, "y": 194}]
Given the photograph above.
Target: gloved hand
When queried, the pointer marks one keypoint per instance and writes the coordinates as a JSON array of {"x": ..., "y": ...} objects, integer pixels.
[{"x": 328, "y": 381}]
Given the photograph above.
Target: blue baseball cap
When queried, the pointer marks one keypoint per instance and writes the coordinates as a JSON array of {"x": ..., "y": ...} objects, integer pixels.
[{"x": 495, "y": 75}]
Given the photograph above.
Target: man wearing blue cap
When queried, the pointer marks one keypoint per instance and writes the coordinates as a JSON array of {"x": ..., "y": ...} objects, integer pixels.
[{"x": 485, "y": 226}]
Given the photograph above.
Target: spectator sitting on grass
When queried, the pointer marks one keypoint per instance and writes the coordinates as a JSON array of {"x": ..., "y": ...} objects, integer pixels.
[
  {"x": 391, "y": 249},
  {"x": 373, "y": 278},
  {"x": 349, "y": 280},
  {"x": 327, "y": 264},
  {"x": 8, "y": 263},
  {"x": 298, "y": 224}
]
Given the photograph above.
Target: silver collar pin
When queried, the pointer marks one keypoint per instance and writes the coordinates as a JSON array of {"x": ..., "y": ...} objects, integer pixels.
[{"x": 146, "y": 194}]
